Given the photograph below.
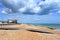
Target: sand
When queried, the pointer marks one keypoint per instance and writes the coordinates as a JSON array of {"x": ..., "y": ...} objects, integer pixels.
[{"x": 29, "y": 35}]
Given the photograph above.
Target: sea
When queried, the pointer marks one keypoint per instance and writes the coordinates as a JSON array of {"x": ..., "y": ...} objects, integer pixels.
[{"x": 56, "y": 26}]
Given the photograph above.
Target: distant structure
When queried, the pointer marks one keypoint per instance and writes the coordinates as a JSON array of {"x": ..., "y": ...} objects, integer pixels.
[
  {"x": 0, "y": 22},
  {"x": 12, "y": 21},
  {"x": 9, "y": 22},
  {"x": 3, "y": 22}
]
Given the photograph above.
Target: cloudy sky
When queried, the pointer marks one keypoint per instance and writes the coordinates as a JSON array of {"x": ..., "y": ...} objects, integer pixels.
[{"x": 31, "y": 11}]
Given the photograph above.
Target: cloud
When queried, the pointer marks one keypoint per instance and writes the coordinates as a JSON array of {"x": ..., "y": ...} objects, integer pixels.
[
  {"x": 40, "y": 7},
  {"x": 59, "y": 11}
]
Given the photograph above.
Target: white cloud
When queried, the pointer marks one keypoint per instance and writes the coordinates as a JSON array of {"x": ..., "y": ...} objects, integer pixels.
[
  {"x": 22, "y": 10},
  {"x": 4, "y": 12},
  {"x": 36, "y": 6},
  {"x": 58, "y": 12},
  {"x": 36, "y": 9}
]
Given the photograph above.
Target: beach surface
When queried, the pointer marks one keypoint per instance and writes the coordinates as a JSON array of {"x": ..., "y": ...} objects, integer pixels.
[{"x": 28, "y": 32}]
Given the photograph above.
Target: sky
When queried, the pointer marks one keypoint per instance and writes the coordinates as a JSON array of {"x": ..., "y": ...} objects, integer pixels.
[{"x": 31, "y": 11}]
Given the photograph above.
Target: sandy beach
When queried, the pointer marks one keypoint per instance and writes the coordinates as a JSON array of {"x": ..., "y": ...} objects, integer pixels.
[
  {"x": 23, "y": 33},
  {"x": 29, "y": 19}
]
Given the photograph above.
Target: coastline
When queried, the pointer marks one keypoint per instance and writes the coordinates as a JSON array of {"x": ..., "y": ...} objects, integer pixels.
[
  {"x": 18, "y": 26},
  {"x": 57, "y": 30},
  {"x": 29, "y": 32}
]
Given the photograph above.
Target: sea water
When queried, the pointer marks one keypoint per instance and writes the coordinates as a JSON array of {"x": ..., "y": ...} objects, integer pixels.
[{"x": 57, "y": 26}]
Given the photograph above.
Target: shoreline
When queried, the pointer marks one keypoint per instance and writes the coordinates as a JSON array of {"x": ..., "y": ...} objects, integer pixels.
[
  {"x": 16, "y": 26},
  {"x": 29, "y": 32},
  {"x": 56, "y": 29}
]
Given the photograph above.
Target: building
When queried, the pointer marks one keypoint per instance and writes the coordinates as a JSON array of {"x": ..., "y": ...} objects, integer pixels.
[
  {"x": 12, "y": 21},
  {"x": 9, "y": 22},
  {"x": 3, "y": 22}
]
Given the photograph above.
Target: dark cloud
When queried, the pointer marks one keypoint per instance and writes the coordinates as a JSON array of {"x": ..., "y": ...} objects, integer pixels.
[
  {"x": 12, "y": 5},
  {"x": 39, "y": 7}
]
